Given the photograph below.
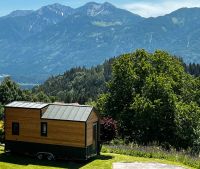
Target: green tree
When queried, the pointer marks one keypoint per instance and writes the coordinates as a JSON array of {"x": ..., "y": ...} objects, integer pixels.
[
  {"x": 41, "y": 97},
  {"x": 188, "y": 125},
  {"x": 78, "y": 84},
  {"x": 9, "y": 91},
  {"x": 143, "y": 95}
]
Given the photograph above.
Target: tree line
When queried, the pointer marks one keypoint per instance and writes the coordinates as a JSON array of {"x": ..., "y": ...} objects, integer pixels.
[
  {"x": 193, "y": 69},
  {"x": 83, "y": 85},
  {"x": 79, "y": 84}
]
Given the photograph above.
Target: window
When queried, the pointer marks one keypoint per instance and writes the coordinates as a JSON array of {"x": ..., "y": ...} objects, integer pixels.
[
  {"x": 15, "y": 128},
  {"x": 43, "y": 128}
]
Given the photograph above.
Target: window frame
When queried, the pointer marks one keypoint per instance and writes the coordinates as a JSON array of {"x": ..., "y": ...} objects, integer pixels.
[
  {"x": 15, "y": 129},
  {"x": 42, "y": 131}
]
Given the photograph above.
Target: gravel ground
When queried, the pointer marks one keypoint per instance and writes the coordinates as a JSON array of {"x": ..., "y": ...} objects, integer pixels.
[{"x": 138, "y": 165}]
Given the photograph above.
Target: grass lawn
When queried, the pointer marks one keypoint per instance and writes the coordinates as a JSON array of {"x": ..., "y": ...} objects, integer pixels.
[{"x": 103, "y": 161}]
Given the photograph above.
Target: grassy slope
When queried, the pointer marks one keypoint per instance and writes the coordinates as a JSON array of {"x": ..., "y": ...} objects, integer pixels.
[
  {"x": 101, "y": 162},
  {"x": 154, "y": 152},
  {"x": 107, "y": 163}
]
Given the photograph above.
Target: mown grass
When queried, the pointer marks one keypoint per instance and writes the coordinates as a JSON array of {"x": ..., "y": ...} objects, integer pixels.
[
  {"x": 153, "y": 152},
  {"x": 107, "y": 163},
  {"x": 104, "y": 161}
]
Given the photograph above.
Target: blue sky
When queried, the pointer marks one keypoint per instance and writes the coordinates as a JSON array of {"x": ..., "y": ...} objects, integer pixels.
[{"x": 144, "y": 8}]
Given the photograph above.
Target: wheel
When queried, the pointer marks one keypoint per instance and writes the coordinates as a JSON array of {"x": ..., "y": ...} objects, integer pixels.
[
  {"x": 50, "y": 157},
  {"x": 39, "y": 156},
  {"x": 7, "y": 152}
]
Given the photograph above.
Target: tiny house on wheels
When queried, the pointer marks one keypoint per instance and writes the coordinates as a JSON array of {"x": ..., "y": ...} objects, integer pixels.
[{"x": 56, "y": 130}]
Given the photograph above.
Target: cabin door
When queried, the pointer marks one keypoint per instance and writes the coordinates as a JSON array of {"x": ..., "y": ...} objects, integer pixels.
[{"x": 95, "y": 138}]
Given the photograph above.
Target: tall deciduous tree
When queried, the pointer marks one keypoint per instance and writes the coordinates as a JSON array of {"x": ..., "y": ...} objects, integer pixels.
[
  {"x": 145, "y": 94},
  {"x": 11, "y": 91}
]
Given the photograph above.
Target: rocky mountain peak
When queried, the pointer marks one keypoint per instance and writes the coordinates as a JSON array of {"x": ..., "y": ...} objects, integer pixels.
[
  {"x": 19, "y": 13},
  {"x": 94, "y": 9},
  {"x": 56, "y": 8}
]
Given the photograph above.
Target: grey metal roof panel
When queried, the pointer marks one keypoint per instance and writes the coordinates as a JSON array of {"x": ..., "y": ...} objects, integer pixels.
[
  {"x": 67, "y": 112},
  {"x": 31, "y": 104},
  {"x": 59, "y": 112},
  {"x": 79, "y": 113},
  {"x": 73, "y": 113},
  {"x": 86, "y": 114},
  {"x": 14, "y": 103},
  {"x": 24, "y": 104},
  {"x": 66, "y": 115},
  {"x": 48, "y": 115}
]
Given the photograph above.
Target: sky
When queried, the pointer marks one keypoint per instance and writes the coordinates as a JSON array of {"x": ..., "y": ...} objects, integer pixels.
[{"x": 145, "y": 8}]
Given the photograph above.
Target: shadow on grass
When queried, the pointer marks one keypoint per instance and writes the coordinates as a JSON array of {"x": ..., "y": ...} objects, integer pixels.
[{"x": 27, "y": 160}]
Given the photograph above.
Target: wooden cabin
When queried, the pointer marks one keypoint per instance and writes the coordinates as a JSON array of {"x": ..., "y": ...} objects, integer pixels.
[{"x": 54, "y": 130}]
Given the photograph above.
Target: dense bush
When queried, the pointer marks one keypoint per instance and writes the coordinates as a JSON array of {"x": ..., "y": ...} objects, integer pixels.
[
  {"x": 108, "y": 129},
  {"x": 153, "y": 99}
]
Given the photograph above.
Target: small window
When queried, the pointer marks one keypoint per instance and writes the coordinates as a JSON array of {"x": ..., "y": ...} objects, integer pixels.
[
  {"x": 43, "y": 129},
  {"x": 15, "y": 128}
]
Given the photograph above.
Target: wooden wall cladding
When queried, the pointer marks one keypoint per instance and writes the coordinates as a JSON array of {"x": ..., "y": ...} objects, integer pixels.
[
  {"x": 92, "y": 119},
  {"x": 66, "y": 133}
]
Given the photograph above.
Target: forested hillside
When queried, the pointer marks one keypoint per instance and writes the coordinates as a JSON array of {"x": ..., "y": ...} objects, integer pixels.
[
  {"x": 193, "y": 69},
  {"x": 78, "y": 84},
  {"x": 84, "y": 85}
]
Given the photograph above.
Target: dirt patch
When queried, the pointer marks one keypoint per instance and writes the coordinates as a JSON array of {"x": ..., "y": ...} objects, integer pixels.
[{"x": 139, "y": 165}]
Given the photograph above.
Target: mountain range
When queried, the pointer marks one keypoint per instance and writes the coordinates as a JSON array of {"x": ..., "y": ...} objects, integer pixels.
[{"x": 35, "y": 44}]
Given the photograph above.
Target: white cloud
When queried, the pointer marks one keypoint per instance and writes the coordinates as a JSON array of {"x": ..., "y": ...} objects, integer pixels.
[{"x": 159, "y": 8}]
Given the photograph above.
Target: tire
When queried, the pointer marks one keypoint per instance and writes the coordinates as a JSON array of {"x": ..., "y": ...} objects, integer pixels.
[
  {"x": 50, "y": 157},
  {"x": 39, "y": 156}
]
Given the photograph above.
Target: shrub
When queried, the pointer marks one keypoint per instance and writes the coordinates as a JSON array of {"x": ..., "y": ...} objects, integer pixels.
[{"x": 108, "y": 129}]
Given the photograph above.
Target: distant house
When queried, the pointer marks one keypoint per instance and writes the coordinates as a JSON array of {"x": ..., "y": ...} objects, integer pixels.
[{"x": 69, "y": 131}]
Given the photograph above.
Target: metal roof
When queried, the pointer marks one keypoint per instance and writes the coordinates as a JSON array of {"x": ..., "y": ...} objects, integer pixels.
[
  {"x": 23, "y": 104},
  {"x": 67, "y": 112}
]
